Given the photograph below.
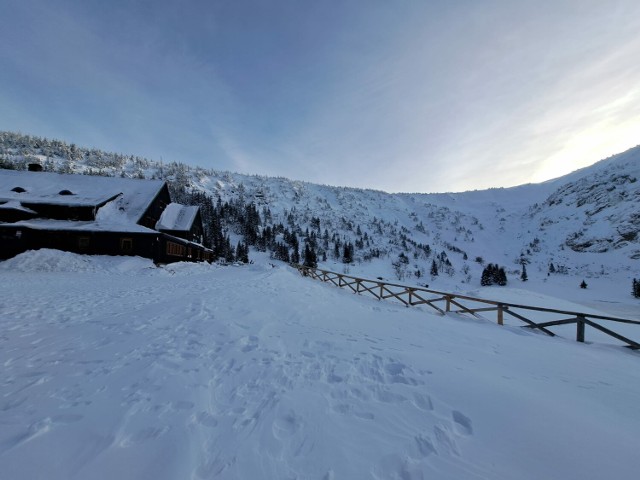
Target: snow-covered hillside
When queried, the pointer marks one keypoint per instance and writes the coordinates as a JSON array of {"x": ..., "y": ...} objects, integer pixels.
[
  {"x": 114, "y": 368},
  {"x": 587, "y": 224}
]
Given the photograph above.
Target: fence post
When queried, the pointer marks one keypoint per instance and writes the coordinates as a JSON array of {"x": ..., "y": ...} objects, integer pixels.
[
  {"x": 500, "y": 314},
  {"x": 448, "y": 307},
  {"x": 580, "y": 328},
  {"x": 381, "y": 290}
]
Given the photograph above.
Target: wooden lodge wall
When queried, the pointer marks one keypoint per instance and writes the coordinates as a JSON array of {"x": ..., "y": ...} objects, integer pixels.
[{"x": 159, "y": 247}]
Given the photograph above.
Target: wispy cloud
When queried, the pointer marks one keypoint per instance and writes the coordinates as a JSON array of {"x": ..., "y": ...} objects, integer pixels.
[{"x": 411, "y": 96}]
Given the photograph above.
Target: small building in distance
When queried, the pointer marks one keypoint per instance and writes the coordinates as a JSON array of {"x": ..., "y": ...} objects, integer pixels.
[{"x": 98, "y": 216}]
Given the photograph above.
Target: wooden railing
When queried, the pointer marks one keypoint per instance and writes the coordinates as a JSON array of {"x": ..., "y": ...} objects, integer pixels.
[{"x": 444, "y": 302}]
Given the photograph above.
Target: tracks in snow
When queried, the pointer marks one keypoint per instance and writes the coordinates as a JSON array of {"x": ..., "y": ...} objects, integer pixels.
[{"x": 254, "y": 385}]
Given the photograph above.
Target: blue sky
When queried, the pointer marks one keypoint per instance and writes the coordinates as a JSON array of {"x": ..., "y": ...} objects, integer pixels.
[{"x": 418, "y": 96}]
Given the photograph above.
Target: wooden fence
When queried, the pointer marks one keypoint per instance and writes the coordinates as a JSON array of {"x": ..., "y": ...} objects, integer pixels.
[{"x": 444, "y": 302}]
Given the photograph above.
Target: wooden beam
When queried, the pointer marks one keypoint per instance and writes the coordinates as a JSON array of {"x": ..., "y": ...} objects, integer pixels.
[
  {"x": 567, "y": 321},
  {"x": 465, "y": 309},
  {"x": 395, "y": 295},
  {"x": 580, "y": 328},
  {"x": 370, "y": 290},
  {"x": 530, "y": 323},
  {"x": 630, "y": 343}
]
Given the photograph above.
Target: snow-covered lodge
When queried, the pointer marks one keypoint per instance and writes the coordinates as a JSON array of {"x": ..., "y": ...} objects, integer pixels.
[{"x": 96, "y": 215}]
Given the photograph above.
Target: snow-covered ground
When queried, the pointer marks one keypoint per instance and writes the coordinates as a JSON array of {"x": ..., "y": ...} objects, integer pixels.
[{"x": 113, "y": 368}]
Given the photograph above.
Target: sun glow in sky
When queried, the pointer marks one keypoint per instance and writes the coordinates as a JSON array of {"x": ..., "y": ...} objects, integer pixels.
[{"x": 415, "y": 95}]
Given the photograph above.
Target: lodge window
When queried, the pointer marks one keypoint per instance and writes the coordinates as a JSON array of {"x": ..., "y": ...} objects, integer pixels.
[
  {"x": 176, "y": 249},
  {"x": 126, "y": 244},
  {"x": 83, "y": 242}
]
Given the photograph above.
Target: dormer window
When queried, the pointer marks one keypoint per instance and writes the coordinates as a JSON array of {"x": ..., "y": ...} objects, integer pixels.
[
  {"x": 65, "y": 192},
  {"x": 18, "y": 190}
]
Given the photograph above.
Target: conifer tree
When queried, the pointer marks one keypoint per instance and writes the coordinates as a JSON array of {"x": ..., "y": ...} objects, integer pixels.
[
  {"x": 347, "y": 255},
  {"x": 434, "y": 268},
  {"x": 502, "y": 277},
  {"x": 310, "y": 258},
  {"x": 228, "y": 250},
  {"x": 493, "y": 274},
  {"x": 295, "y": 255},
  {"x": 242, "y": 252},
  {"x": 486, "y": 279},
  {"x": 523, "y": 275}
]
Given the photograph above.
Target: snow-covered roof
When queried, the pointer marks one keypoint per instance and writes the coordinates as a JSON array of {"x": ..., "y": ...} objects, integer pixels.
[
  {"x": 15, "y": 205},
  {"x": 177, "y": 217},
  {"x": 79, "y": 225},
  {"x": 78, "y": 190}
]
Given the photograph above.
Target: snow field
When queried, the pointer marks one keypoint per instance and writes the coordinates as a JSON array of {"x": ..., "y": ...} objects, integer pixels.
[{"x": 113, "y": 368}]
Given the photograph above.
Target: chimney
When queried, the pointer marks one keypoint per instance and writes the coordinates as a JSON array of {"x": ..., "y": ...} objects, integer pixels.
[{"x": 35, "y": 167}]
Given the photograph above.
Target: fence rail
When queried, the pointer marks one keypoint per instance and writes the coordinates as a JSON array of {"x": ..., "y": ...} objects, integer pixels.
[{"x": 445, "y": 302}]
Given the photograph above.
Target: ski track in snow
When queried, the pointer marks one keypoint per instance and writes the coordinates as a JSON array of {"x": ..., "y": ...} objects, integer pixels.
[{"x": 221, "y": 375}]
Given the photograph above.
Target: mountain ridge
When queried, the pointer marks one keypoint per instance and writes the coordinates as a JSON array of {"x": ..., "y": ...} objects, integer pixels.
[{"x": 580, "y": 222}]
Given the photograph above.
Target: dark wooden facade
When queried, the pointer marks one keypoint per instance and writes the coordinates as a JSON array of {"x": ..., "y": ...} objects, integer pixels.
[
  {"x": 18, "y": 239},
  {"x": 175, "y": 249},
  {"x": 153, "y": 212},
  {"x": 160, "y": 247}
]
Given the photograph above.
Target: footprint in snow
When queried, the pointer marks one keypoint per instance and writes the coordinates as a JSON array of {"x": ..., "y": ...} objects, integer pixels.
[
  {"x": 286, "y": 425},
  {"x": 248, "y": 344},
  {"x": 445, "y": 440},
  {"x": 462, "y": 423},
  {"x": 424, "y": 446},
  {"x": 423, "y": 402},
  {"x": 347, "y": 409},
  {"x": 206, "y": 419},
  {"x": 37, "y": 429}
]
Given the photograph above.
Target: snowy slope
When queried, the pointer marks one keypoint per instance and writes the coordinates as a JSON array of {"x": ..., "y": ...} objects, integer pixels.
[
  {"x": 113, "y": 368},
  {"x": 587, "y": 223}
]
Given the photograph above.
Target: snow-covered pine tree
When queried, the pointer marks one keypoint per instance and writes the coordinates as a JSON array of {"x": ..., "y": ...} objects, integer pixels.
[
  {"x": 242, "y": 252},
  {"x": 502, "y": 277},
  {"x": 493, "y": 275},
  {"x": 295, "y": 256},
  {"x": 347, "y": 255},
  {"x": 487, "y": 279},
  {"x": 310, "y": 258}
]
